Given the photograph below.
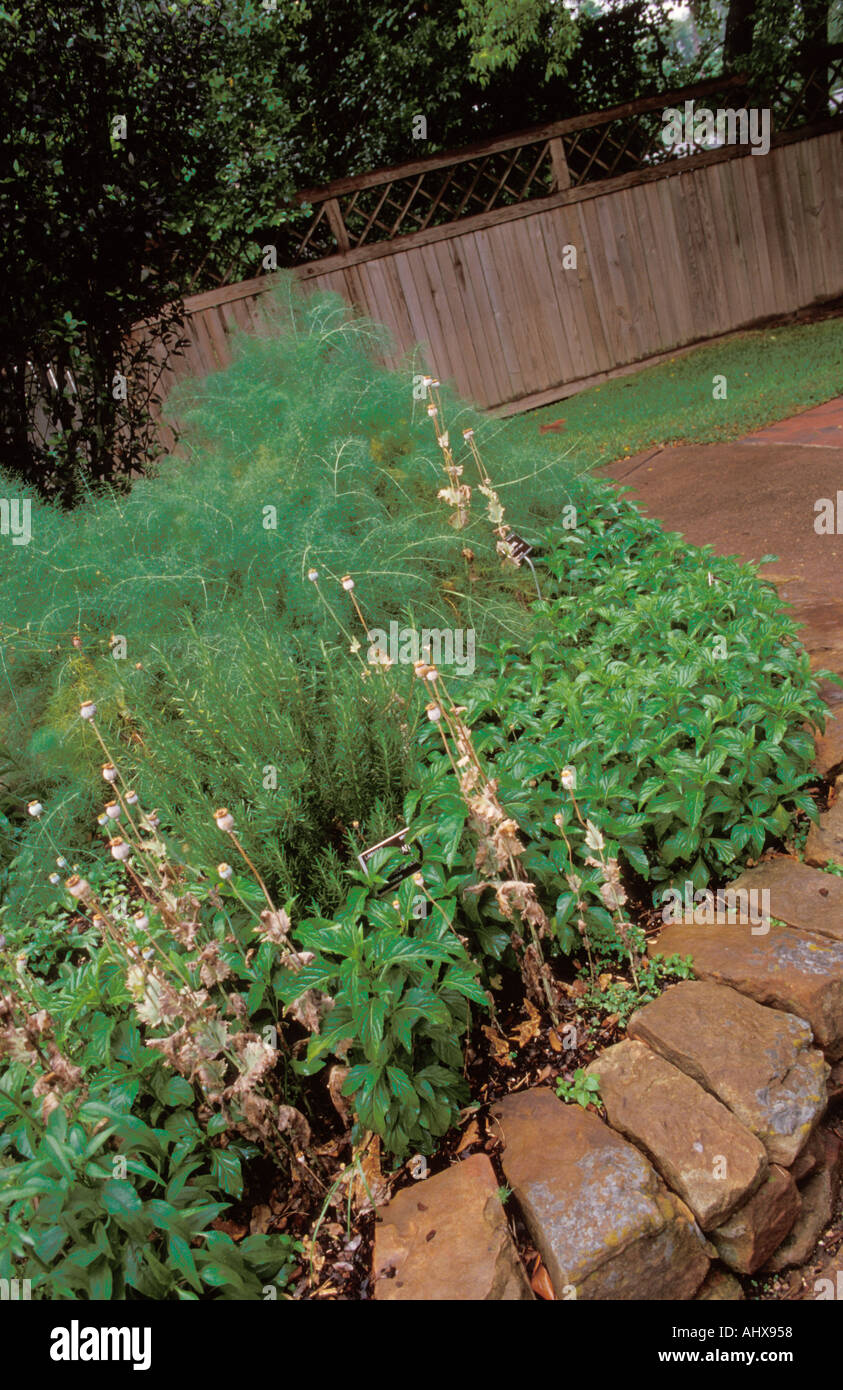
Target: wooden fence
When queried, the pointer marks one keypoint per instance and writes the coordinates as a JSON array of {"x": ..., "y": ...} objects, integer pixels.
[{"x": 531, "y": 266}]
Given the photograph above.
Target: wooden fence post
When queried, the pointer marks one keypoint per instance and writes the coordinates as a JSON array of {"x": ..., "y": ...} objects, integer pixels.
[
  {"x": 559, "y": 164},
  {"x": 333, "y": 213}
]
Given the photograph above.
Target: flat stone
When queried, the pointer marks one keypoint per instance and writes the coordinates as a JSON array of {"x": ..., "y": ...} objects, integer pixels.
[
  {"x": 752, "y": 1233},
  {"x": 829, "y": 756},
  {"x": 757, "y": 1061},
  {"x": 604, "y": 1223},
  {"x": 799, "y": 895},
  {"x": 818, "y": 1196},
  {"x": 720, "y": 1286},
  {"x": 810, "y": 1158},
  {"x": 824, "y": 844},
  {"x": 793, "y": 970},
  {"x": 447, "y": 1239},
  {"x": 698, "y": 1146}
]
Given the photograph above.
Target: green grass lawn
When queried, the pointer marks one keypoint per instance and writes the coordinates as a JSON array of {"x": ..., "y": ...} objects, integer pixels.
[{"x": 769, "y": 376}]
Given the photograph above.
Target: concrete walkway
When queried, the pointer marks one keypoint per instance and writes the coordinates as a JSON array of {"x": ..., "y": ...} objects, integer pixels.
[{"x": 757, "y": 496}]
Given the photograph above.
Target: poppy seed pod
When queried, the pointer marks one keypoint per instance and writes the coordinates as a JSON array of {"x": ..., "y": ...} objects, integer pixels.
[
  {"x": 88, "y": 710},
  {"x": 225, "y": 871},
  {"x": 35, "y": 808},
  {"x": 153, "y": 820},
  {"x": 468, "y": 434},
  {"x": 113, "y": 810},
  {"x": 109, "y": 772},
  {"x": 443, "y": 440},
  {"x": 224, "y": 819},
  {"x": 77, "y": 887},
  {"x": 119, "y": 849},
  {"x": 132, "y": 798},
  {"x": 313, "y": 575},
  {"x": 347, "y": 582},
  {"x": 431, "y": 410},
  {"x": 61, "y": 862},
  {"x": 76, "y": 642},
  {"x": 569, "y": 778},
  {"x": 434, "y": 713},
  {"x": 140, "y": 919},
  {"x": 55, "y": 879}
]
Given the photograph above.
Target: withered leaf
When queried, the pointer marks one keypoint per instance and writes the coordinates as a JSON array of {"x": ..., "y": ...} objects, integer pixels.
[{"x": 471, "y": 1136}]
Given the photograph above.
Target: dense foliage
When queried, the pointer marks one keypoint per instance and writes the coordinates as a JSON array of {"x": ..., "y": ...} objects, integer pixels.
[{"x": 641, "y": 723}]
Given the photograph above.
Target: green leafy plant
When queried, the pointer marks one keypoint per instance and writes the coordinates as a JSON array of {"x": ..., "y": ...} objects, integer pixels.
[
  {"x": 616, "y": 997},
  {"x": 582, "y": 1090},
  {"x": 401, "y": 988}
]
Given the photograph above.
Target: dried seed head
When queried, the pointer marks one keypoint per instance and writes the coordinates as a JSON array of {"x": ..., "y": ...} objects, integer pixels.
[
  {"x": 224, "y": 819},
  {"x": 313, "y": 575},
  {"x": 88, "y": 710},
  {"x": 119, "y": 848},
  {"x": 140, "y": 919},
  {"x": 152, "y": 819},
  {"x": 109, "y": 772},
  {"x": 224, "y": 870},
  {"x": 35, "y": 809},
  {"x": 113, "y": 810},
  {"x": 61, "y": 862},
  {"x": 77, "y": 887},
  {"x": 434, "y": 713},
  {"x": 569, "y": 778},
  {"x": 102, "y": 818},
  {"x": 468, "y": 434},
  {"x": 55, "y": 879},
  {"x": 132, "y": 798},
  {"x": 418, "y": 879},
  {"x": 347, "y": 582}
]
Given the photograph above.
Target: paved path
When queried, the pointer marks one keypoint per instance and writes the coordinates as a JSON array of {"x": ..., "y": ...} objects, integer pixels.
[{"x": 754, "y": 497}]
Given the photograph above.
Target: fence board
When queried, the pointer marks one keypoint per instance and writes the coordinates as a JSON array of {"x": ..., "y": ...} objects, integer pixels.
[{"x": 665, "y": 258}]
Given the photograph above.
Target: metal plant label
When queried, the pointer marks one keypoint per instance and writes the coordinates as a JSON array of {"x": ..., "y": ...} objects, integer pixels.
[
  {"x": 396, "y": 841},
  {"x": 519, "y": 549}
]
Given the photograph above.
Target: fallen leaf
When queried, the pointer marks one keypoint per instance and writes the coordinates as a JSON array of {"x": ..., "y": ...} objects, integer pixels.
[
  {"x": 471, "y": 1136},
  {"x": 554, "y": 1040},
  {"x": 261, "y": 1217},
  {"x": 500, "y": 1046},
  {"x": 370, "y": 1187},
  {"x": 604, "y": 980},
  {"x": 609, "y": 1022},
  {"x": 540, "y": 1283},
  {"x": 526, "y": 1031}
]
